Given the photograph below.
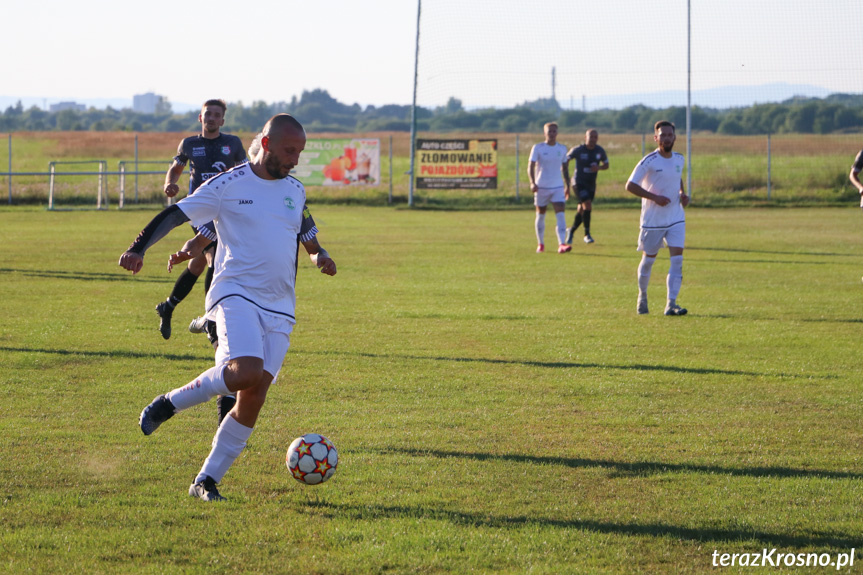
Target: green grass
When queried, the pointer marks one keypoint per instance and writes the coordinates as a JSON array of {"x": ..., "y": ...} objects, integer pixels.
[{"x": 495, "y": 410}]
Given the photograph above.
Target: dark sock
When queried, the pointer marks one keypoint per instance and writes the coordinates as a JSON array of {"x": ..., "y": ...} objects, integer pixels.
[
  {"x": 574, "y": 227},
  {"x": 184, "y": 285},
  {"x": 208, "y": 279},
  {"x": 587, "y": 222}
]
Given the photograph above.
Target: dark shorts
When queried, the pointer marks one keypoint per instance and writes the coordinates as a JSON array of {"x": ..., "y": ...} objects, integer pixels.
[{"x": 585, "y": 193}]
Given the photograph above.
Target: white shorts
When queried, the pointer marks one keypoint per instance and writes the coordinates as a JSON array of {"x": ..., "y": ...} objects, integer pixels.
[
  {"x": 245, "y": 330},
  {"x": 543, "y": 196},
  {"x": 652, "y": 240}
]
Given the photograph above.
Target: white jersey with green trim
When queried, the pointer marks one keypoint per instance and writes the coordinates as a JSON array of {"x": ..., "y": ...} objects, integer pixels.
[
  {"x": 260, "y": 224},
  {"x": 663, "y": 177}
]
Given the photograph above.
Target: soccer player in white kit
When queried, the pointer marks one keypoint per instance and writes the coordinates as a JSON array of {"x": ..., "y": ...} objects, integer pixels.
[
  {"x": 261, "y": 218},
  {"x": 854, "y": 176},
  {"x": 658, "y": 181},
  {"x": 548, "y": 172}
]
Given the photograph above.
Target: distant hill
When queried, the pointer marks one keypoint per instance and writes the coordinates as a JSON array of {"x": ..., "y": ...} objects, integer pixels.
[
  {"x": 100, "y": 103},
  {"x": 773, "y": 109},
  {"x": 718, "y": 98}
]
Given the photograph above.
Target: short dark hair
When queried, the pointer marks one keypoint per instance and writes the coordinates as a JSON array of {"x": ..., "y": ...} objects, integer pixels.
[
  {"x": 216, "y": 102},
  {"x": 662, "y": 123}
]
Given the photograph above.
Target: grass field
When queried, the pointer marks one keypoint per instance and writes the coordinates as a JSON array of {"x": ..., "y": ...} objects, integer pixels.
[
  {"x": 727, "y": 171},
  {"x": 495, "y": 410}
]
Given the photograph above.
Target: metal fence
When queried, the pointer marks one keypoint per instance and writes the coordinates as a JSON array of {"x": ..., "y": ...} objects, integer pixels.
[{"x": 778, "y": 169}]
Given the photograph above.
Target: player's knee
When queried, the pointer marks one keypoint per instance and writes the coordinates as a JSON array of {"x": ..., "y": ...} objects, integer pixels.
[{"x": 244, "y": 373}]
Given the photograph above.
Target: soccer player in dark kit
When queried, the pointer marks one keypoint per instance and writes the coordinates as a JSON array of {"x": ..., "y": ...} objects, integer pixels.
[
  {"x": 207, "y": 154},
  {"x": 589, "y": 160}
]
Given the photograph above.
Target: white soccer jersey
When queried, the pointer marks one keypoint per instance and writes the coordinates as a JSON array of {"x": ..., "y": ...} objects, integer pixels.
[
  {"x": 660, "y": 176},
  {"x": 548, "y": 161},
  {"x": 259, "y": 225}
]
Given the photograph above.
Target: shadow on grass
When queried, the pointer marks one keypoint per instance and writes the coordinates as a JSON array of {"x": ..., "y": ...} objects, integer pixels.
[
  {"x": 376, "y": 512},
  {"x": 773, "y": 252},
  {"x": 112, "y": 354},
  {"x": 562, "y": 364},
  {"x": 771, "y": 262},
  {"x": 85, "y": 276},
  {"x": 830, "y": 320},
  {"x": 635, "y": 469}
]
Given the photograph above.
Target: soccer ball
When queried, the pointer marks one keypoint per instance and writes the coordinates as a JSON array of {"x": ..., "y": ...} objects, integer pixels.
[{"x": 312, "y": 459}]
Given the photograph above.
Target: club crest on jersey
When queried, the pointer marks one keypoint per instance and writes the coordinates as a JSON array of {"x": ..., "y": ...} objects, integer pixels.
[
  {"x": 226, "y": 150},
  {"x": 289, "y": 203}
]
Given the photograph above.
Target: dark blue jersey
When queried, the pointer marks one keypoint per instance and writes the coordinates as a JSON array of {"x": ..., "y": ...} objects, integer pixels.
[
  {"x": 208, "y": 157},
  {"x": 858, "y": 163},
  {"x": 585, "y": 158}
]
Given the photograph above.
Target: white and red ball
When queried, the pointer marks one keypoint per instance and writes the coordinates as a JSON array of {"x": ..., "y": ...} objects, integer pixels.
[{"x": 312, "y": 459}]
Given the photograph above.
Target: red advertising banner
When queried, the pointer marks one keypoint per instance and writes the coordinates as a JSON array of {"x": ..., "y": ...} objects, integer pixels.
[{"x": 457, "y": 164}]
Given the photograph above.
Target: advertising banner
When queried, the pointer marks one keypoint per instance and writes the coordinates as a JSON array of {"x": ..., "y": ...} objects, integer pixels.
[
  {"x": 457, "y": 164},
  {"x": 339, "y": 162}
]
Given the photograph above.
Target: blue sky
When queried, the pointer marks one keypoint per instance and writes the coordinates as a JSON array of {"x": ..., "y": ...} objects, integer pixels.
[{"x": 363, "y": 52}]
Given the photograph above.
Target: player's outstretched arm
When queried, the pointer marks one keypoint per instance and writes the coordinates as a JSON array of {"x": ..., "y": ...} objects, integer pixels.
[
  {"x": 190, "y": 250},
  {"x": 168, "y": 219},
  {"x": 320, "y": 257}
]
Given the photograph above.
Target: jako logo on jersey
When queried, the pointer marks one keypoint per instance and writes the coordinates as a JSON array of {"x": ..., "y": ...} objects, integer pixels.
[
  {"x": 220, "y": 166},
  {"x": 246, "y": 202},
  {"x": 289, "y": 203},
  {"x": 226, "y": 150}
]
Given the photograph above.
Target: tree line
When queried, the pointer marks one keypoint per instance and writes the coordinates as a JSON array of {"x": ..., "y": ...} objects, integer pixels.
[{"x": 320, "y": 112}]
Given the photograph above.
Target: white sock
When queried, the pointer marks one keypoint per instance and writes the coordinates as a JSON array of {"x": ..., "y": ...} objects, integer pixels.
[
  {"x": 675, "y": 277},
  {"x": 205, "y": 387},
  {"x": 540, "y": 228},
  {"x": 644, "y": 269},
  {"x": 561, "y": 227},
  {"x": 228, "y": 443}
]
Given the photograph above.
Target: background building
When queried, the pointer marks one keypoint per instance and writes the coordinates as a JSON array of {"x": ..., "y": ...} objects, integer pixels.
[
  {"x": 60, "y": 106},
  {"x": 150, "y": 103}
]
